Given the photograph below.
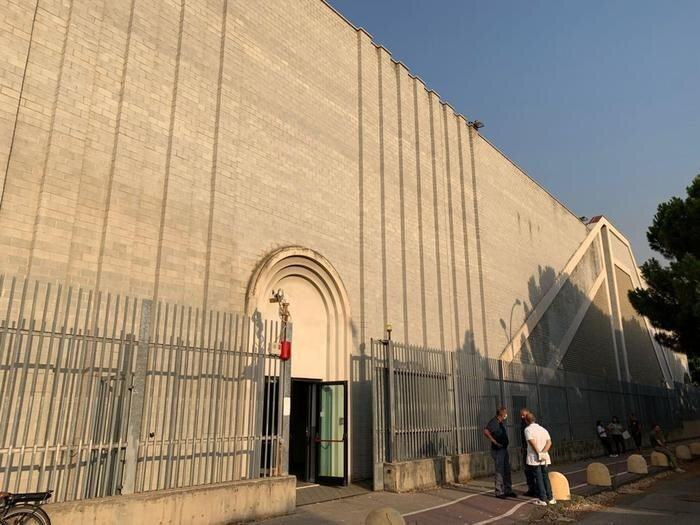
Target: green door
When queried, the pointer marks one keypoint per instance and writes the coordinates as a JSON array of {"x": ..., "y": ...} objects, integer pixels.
[{"x": 331, "y": 433}]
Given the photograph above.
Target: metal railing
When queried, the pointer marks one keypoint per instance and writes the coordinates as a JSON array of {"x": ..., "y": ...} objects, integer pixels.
[
  {"x": 428, "y": 402},
  {"x": 103, "y": 394}
]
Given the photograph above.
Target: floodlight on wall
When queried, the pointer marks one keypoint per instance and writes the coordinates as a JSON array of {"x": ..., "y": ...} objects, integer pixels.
[{"x": 476, "y": 124}]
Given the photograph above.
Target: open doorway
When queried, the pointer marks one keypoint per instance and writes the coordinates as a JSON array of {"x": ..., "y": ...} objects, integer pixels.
[{"x": 318, "y": 432}]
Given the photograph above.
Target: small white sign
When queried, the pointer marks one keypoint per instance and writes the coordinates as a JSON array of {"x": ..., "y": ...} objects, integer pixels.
[{"x": 287, "y": 406}]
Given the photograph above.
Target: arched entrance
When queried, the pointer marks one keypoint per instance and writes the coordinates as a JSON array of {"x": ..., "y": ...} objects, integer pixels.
[{"x": 319, "y": 307}]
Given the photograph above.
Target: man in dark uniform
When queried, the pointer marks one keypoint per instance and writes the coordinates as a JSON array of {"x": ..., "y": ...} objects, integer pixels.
[
  {"x": 496, "y": 433},
  {"x": 532, "y": 489}
]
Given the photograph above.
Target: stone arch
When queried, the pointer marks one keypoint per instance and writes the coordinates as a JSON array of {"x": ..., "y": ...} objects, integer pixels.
[{"x": 319, "y": 307}]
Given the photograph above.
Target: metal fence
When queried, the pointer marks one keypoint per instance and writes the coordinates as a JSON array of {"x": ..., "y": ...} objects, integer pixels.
[
  {"x": 104, "y": 394},
  {"x": 430, "y": 403}
]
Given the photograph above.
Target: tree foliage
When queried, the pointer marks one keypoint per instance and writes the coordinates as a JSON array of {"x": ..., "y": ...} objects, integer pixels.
[{"x": 672, "y": 299}]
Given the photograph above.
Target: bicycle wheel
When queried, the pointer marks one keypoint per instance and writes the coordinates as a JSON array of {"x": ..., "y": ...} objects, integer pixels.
[{"x": 26, "y": 515}]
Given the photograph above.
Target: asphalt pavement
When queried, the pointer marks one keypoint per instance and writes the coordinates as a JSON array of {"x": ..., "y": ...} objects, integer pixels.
[
  {"x": 675, "y": 500},
  {"x": 472, "y": 503}
]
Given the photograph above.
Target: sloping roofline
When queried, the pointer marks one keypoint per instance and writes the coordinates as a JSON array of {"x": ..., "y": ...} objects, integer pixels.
[{"x": 445, "y": 103}]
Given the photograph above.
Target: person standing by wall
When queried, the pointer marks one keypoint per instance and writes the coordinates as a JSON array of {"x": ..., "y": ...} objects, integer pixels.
[
  {"x": 615, "y": 428},
  {"x": 539, "y": 443},
  {"x": 604, "y": 439},
  {"x": 495, "y": 432},
  {"x": 636, "y": 432},
  {"x": 532, "y": 490}
]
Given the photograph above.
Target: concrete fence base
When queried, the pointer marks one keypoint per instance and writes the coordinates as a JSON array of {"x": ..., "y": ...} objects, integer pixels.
[
  {"x": 223, "y": 503},
  {"x": 419, "y": 474}
]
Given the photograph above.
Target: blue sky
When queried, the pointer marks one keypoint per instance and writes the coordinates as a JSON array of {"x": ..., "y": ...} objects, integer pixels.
[{"x": 599, "y": 101}]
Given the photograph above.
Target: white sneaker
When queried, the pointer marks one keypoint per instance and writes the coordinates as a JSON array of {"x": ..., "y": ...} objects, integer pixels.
[
  {"x": 679, "y": 470},
  {"x": 540, "y": 503},
  {"x": 552, "y": 501}
]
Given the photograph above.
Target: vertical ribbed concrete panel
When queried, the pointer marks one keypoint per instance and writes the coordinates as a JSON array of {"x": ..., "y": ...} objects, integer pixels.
[
  {"x": 434, "y": 315},
  {"x": 16, "y": 44},
  {"x": 643, "y": 363},
  {"x": 25, "y": 206},
  {"x": 184, "y": 243},
  {"x": 461, "y": 304},
  {"x": 412, "y": 275},
  {"x": 390, "y": 179},
  {"x": 372, "y": 264},
  {"x": 592, "y": 349}
]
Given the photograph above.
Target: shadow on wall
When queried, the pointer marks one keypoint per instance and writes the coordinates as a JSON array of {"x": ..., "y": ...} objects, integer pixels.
[
  {"x": 590, "y": 350},
  {"x": 641, "y": 356},
  {"x": 429, "y": 427},
  {"x": 361, "y": 422}
]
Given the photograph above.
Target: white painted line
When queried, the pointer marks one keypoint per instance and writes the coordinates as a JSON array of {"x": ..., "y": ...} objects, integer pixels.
[
  {"x": 308, "y": 486},
  {"x": 516, "y": 507},
  {"x": 505, "y": 514}
]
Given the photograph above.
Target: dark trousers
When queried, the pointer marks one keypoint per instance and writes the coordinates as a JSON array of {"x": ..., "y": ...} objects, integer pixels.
[
  {"x": 543, "y": 486},
  {"x": 529, "y": 476},
  {"x": 619, "y": 443},
  {"x": 503, "y": 485},
  {"x": 606, "y": 445},
  {"x": 637, "y": 440},
  {"x": 667, "y": 452}
]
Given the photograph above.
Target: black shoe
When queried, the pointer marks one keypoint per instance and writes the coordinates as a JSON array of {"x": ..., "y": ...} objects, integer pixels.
[
  {"x": 501, "y": 496},
  {"x": 511, "y": 494},
  {"x": 529, "y": 494}
]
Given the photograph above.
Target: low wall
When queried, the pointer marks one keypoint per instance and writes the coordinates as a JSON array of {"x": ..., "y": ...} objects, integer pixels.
[
  {"x": 421, "y": 474},
  {"x": 689, "y": 430},
  {"x": 406, "y": 476},
  {"x": 223, "y": 503}
]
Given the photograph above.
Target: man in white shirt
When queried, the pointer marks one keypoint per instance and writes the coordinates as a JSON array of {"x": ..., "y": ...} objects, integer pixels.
[{"x": 538, "y": 444}]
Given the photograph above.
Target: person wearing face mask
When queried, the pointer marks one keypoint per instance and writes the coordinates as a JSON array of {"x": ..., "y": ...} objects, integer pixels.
[{"x": 495, "y": 432}]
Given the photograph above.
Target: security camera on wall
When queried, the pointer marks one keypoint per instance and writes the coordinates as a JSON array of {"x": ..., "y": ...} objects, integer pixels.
[{"x": 277, "y": 297}]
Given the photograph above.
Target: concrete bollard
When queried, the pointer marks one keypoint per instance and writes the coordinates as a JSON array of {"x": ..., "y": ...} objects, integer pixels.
[
  {"x": 598, "y": 474},
  {"x": 683, "y": 452},
  {"x": 560, "y": 486},
  {"x": 695, "y": 448},
  {"x": 659, "y": 460},
  {"x": 636, "y": 464},
  {"x": 384, "y": 516}
]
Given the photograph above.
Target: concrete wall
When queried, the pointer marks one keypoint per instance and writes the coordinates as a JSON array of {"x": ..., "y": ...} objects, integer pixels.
[
  {"x": 423, "y": 474},
  {"x": 150, "y": 142},
  {"x": 223, "y": 503}
]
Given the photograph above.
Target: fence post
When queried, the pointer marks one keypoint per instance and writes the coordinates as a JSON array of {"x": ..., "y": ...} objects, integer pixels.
[
  {"x": 286, "y": 389},
  {"x": 377, "y": 438},
  {"x": 392, "y": 408},
  {"x": 455, "y": 402},
  {"x": 138, "y": 399}
]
